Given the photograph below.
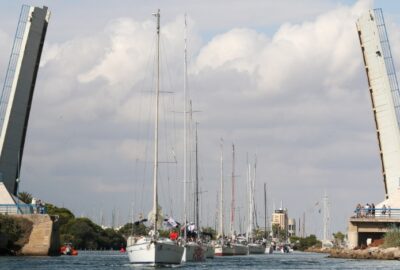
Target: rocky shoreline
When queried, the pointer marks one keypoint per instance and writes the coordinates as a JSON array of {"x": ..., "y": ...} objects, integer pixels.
[{"x": 371, "y": 253}]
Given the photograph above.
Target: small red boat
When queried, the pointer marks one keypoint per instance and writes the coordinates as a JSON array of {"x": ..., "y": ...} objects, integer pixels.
[{"x": 68, "y": 249}]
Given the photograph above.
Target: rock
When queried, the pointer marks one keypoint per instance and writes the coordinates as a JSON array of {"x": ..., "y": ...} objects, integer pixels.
[{"x": 396, "y": 254}]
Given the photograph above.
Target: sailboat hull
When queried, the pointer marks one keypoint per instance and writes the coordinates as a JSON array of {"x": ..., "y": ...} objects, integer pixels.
[
  {"x": 155, "y": 253},
  {"x": 224, "y": 251},
  {"x": 210, "y": 251},
  {"x": 256, "y": 249},
  {"x": 240, "y": 249},
  {"x": 193, "y": 252}
]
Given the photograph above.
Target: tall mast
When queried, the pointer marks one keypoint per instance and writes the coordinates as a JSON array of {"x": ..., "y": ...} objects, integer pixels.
[
  {"x": 155, "y": 173},
  {"x": 197, "y": 184},
  {"x": 253, "y": 192},
  {"x": 221, "y": 210},
  {"x": 184, "y": 131},
  {"x": 249, "y": 185},
  {"x": 265, "y": 210},
  {"x": 326, "y": 217},
  {"x": 233, "y": 192}
]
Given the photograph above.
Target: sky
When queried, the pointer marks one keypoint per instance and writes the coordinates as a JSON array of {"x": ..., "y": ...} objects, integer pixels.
[{"x": 282, "y": 80}]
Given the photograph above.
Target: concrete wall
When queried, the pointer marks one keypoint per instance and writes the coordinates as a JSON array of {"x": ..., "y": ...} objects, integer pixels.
[{"x": 45, "y": 236}]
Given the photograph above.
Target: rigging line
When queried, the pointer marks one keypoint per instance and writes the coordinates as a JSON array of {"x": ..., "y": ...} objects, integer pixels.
[
  {"x": 141, "y": 118},
  {"x": 166, "y": 102},
  {"x": 174, "y": 143},
  {"x": 147, "y": 130}
]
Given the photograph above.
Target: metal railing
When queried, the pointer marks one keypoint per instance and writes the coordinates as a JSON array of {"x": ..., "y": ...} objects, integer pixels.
[
  {"x": 387, "y": 56},
  {"x": 22, "y": 209},
  {"x": 13, "y": 61},
  {"x": 377, "y": 213}
]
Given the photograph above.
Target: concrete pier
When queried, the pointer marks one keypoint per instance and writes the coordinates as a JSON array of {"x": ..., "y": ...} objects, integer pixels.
[
  {"x": 362, "y": 228},
  {"x": 44, "y": 239}
]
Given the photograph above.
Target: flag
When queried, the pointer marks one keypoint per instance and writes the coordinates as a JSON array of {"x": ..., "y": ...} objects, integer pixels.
[{"x": 171, "y": 223}]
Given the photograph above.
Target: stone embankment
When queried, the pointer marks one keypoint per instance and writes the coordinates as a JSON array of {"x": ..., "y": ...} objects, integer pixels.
[
  {"x": 318, "y": 250},
  {"x": 44, "y": 238},
  {"x": 371, "y": 253}
]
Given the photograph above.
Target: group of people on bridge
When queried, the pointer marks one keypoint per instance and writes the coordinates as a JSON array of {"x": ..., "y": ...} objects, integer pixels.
[{"x": 369, "y": 210}]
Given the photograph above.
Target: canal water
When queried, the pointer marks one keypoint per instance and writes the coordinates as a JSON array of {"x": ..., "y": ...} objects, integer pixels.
[{"x": 113, "y": 260}]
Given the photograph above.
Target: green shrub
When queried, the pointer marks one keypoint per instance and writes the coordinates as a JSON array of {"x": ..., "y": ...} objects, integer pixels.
[
  {"x": 392, "y": 238},
  {"x": 305, "y": 243},
  {"x": 16, "y": 229}
]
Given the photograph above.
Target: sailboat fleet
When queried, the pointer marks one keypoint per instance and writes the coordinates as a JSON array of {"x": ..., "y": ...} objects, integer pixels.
[{"x": 155, "y": 250}]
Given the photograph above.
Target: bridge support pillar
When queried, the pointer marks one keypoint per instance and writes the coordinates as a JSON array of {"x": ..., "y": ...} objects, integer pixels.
[{"x": 352, "y": 235}]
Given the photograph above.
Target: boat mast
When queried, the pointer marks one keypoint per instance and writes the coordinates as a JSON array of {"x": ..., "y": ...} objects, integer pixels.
[
  {"x": 184, "y": 130},
  {"x": 253, "y": 192},
  {"x": 221, "y": 210},
  {"x": 250, "y": 224},
  {"x": 197, "y": 184},
  {"x": 233, "y": 192},
  {"x": 155, "y": 173},
  {"x": 265, "y": 210}
]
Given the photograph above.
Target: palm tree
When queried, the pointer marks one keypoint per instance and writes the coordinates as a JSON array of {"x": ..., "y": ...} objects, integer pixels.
[{"x": 25, "y": 197}]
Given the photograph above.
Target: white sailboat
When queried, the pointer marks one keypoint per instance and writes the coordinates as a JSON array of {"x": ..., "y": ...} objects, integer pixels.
[
  {"x": 193, "y": 251},
  {"x": 153, "y": 250},
  {"x": 254, "y": 248}
]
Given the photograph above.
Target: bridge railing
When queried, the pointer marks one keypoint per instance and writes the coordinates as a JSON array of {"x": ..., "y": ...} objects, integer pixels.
[
  {"x": 377, "y": 213},
  {"x": 13, "y": 209}
]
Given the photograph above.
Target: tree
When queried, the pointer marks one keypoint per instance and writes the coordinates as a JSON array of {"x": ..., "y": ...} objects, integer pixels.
[
  {"x": 25, "y": 197},
  {"x": 259, "y": 233},
  {"x": 278, "y": 232},
  {"x": 338, "y": 238},
  {"x": 132, "y": 229},
  {"x": 64, "y": 215},
  {"x": 83, "y": 234},
  {"x": 210, "y": 231}
]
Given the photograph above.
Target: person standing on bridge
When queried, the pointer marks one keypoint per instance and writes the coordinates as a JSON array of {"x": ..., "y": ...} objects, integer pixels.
[{"x": 373, "y": 209}]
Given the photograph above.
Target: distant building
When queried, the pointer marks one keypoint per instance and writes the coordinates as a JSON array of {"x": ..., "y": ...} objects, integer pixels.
[
  {"x": 17, "y": 93},
  {"x": 291, "y": 227},
  {"x": 280, "y": 218}
]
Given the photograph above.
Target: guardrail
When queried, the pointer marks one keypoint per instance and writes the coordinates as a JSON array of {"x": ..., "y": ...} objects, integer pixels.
[
  {"x": 22, "y": 209},
  {"x": 377, "y": 213}
]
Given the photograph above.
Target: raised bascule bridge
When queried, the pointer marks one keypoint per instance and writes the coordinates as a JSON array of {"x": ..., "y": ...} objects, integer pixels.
[
  {"x": 17, "y": 93},
  {"x": 366, "y": 226},
  {"x": 15, "y": 104}
]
